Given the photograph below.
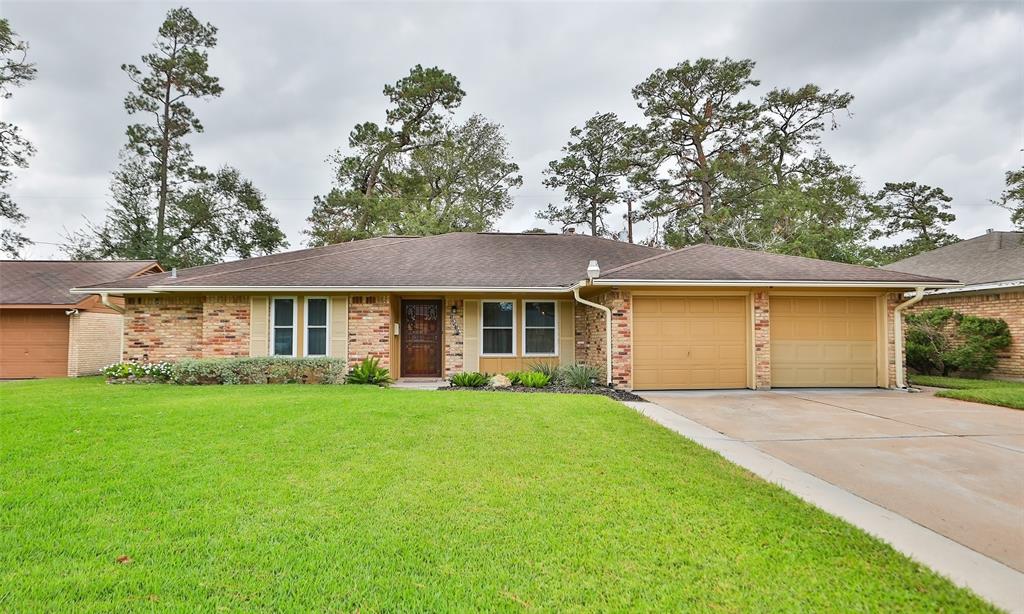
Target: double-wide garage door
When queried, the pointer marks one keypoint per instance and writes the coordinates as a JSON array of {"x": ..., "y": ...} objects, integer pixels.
[
  {"x": 689, "y": 342},
  {"x": 823, "y": 341},
  {"x": 702, "y": 342}
]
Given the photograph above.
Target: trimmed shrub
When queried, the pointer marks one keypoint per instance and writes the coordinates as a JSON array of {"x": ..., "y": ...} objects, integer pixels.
[
  {"x": 534, "y": 379},
  {"x": 470, "y": 379},
  {"x": 934, "y": 345},
  {"x": 262, "y": 370},
  {"x": 927, "y": 341},
  {"x": 369, "y": 372},
  {"x": 130, "y": 371},
  {"x": 579, "y": 375}
]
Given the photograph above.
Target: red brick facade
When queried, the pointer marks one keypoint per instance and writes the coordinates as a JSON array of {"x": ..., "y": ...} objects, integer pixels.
[
  {"x": 1008, "y": 306},
  {"x": 590, "y": 345},
  {"x": 590, "y": 336},
  {"x": 225, "y": 326},
  {"x": 163, "y": 328},
  {"x": 369, "y": 329}
]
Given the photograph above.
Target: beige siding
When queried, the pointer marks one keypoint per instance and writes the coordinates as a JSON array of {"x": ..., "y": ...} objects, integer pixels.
[
  {"x": 566, "y": 332},
  {"x": 339, "y": 327},
  {"x": 471, "y": 347},
  {"x": 94, "y": 342},
  {"x": 259, "y": 339}
]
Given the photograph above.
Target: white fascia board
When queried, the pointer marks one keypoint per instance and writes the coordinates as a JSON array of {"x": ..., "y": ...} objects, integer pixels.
[
  {"x": 772, "y": 283},
  {"x": 308, "y": 289},
  {"x": 999, "y": 285}
]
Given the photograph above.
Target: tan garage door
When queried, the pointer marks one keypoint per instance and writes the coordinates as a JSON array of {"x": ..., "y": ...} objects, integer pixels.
[
  {"x": 693, "y": 342},
  {"x": 823, "y": 341},
  {"x": 33, "y": 343}
]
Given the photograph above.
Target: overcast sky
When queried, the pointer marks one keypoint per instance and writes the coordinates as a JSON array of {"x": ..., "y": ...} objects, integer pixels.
[{"x": 939, "y": 86}]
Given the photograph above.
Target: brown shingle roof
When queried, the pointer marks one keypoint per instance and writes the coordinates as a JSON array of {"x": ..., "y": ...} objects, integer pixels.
[
  {"x": 48, "y": 282},
  {"x": 498, "y": 260},
  {"x": 993, "y": 257},
  {"x": 714, "y": 262}
]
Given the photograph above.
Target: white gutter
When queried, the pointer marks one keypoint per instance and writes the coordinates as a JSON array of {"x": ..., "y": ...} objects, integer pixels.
[
  {"x": 761, "y": 283},
  {"x": 607, "y": 328},
  {"x": 897, "y": 326},
  {"x": 998, "y": 285},
  {"x": 105, "y": 299},
  {"x": 308, "y": 289}
]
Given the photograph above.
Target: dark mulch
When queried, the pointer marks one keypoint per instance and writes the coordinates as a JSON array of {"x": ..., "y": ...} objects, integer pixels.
[{"x": 618, "y": 395}]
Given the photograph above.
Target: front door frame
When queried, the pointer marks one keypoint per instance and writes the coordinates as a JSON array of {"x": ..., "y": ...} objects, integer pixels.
[{"x": 439, "y": 362}]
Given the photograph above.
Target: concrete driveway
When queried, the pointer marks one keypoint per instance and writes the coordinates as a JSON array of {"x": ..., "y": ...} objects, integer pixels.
[{"x": 952, "y": 466}]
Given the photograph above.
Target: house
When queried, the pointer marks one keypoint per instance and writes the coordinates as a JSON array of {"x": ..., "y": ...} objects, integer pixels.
[
  {"x": 991, "y": 268},
  {"x": 46, "y": 331},
  {"x": 698, "y": 317}
]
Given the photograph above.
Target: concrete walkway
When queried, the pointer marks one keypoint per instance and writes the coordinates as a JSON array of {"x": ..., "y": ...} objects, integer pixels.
[{"x": 940, "y": 480}]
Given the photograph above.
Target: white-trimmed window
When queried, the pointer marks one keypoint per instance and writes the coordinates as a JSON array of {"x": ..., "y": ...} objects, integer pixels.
[
  {"x": 540, "y": 328},
  {"x": 282, "y": 326},
  {"x": 498, "y": 328},
  {"x": 316, "y": 318}
]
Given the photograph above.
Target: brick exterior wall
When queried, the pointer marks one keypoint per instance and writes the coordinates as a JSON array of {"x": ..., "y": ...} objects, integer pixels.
[
  {"x": 369, "y": 329},
  {"x": 454, "y": 337},
  {"x": 590, "y": 336},
  {"x": 163, "y": 328},
  {"x": 892, "y": 300},
  {"x": 94, "y": 341},
  {"x": 762, "y": 342},
  {"x": 1008, "y": 306},
  {"x": 225, "y": 326}
]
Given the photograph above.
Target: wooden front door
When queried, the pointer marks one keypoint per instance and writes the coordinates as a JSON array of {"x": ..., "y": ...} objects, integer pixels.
[{"x": 421, "y": 338}]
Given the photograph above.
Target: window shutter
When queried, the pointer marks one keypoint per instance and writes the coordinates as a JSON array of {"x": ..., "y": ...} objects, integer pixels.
[
  {"x": 259, "y": 326},
  {"x": 566, "y": 332},
  {"x": 339, "y": 328},
  {"x": 471, "y": 336}
]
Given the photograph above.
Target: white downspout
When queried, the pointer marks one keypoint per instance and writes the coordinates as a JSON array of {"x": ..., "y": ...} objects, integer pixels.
[
  {"x": 897, "y": 326},
  {"x": 607, "y": 328},
  {"x": 105, "y": 300}
]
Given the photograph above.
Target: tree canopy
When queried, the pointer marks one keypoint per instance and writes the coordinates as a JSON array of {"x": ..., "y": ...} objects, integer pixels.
[{"x": 15, "y": 149}]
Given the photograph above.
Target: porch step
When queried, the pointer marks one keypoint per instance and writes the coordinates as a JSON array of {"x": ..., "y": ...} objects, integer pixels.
[{"x": 419, "y": 383}]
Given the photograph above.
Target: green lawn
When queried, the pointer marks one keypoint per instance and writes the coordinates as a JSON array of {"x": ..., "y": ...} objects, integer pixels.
[
  {"x": 344, "y": 498},
  {"x": 992, "y": 392}
]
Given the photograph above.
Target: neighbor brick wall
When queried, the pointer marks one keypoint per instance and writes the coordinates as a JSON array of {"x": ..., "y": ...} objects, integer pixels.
[
  {"x": 762, "y": 341},
  {"x": 590, "y": 336},
  {"x": 163, "y": 328},
  {"x": 1008, "y": 306},
  {"x": 94, "y": 341},
  {"x": 454, "y": 337},
  {"x": 225, "y": 326},
  {"x": 369, "y": 329}
]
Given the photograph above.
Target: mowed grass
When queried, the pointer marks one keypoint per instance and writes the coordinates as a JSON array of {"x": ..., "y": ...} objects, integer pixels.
[
  {"x": 992, "y": 392},
  {"x": 297, "y": 498}
]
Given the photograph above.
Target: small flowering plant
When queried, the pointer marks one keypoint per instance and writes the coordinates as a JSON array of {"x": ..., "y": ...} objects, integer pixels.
[{"x": 155, "y": 371}]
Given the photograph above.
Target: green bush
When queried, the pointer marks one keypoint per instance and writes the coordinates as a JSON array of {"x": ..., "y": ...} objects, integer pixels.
[
  {"x": 156, "y": 371},
  {"x": 534, "y": 379},
  {"x": 369, "y": 372},
  {"x": 579, "y": 375},
  {"x": 514, "y": 377},
  {"x": 932, "y": 347},
  {"x": 263, "y": 370},
  {"x": 470, "y": 379},
  {"x": 548, "y": 369}
]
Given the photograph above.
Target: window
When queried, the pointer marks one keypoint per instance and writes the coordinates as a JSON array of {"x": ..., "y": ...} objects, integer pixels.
[
  {"x": 499, "y": 328},
  {"x": 539, "y": 328},
  {"x": 282, "y": 322},
  {"x": 316, "y": 327}
]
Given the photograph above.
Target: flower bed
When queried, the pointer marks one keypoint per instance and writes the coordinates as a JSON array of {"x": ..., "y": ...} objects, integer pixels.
[{"x": 215, "y": 371}]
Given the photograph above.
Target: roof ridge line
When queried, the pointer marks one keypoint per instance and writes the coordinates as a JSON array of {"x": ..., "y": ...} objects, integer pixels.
[
  {"x": 650, "y": 258},
  {"x": 266, "y": 264}
]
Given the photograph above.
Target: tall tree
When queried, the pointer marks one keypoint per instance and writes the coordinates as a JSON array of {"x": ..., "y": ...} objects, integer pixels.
[
  {"x": 1012, "y": 198},
  {"x": 698, "y": 125},
  {"x": 909, "y": 208},
  {"x": 419, "y": 173},
  {"x": 15, "y": 149},
  {"x": 591, "y": 172},
  {"x": 163, "y": 205},
  {"x": 178, "y": 71}
]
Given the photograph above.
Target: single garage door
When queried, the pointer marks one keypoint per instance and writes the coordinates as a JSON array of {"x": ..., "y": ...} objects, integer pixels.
[
  {"x": 692, "y": 342},
  {"x": 33, "y": 343},
  {"x": 823, "y": 341}
]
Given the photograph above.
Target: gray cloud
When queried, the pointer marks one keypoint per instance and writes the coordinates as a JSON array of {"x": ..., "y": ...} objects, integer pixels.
[{"x": 939, "y": 86}]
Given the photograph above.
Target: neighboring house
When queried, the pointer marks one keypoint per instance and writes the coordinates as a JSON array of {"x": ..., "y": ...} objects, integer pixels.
[
  {"x": 46, "y": 331},
  {"x": 699, "y": 317},
  {"x": 991, "y": 268}
]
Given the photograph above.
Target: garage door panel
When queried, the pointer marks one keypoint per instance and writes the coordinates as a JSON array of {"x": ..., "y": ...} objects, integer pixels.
[
  {"x": 823, "y": 341},
  {"x": 33, "y": 343},
  {"x": 689, "y": 342}
]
